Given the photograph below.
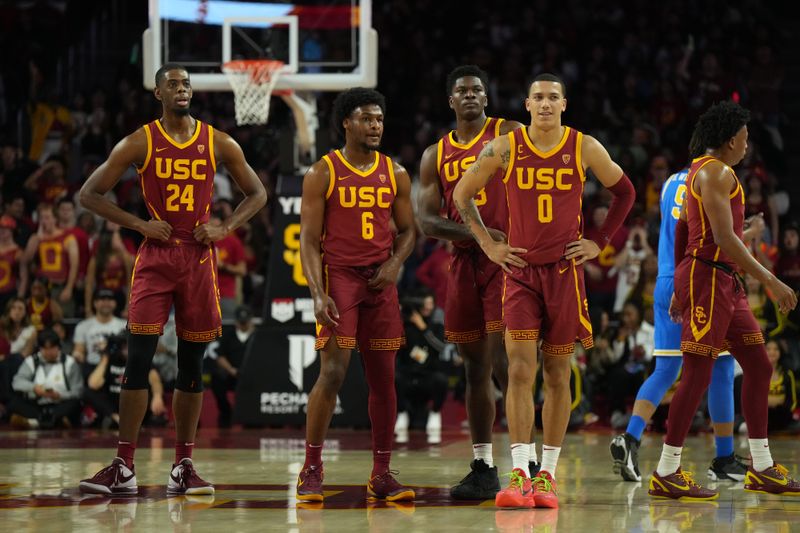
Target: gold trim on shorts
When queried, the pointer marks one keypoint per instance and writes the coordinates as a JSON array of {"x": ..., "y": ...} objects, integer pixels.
[
  {"x": 700, "y": 349},
  {"x": 145, "y": 329},
  {"x": 463, "y": 337},
  {"x": 524, "y": 334},
  {"x": 494, "y": 326},
  {"x": 341, "y": 342},
  {"x": 387, "y": 344},
  {"x": 200, "y": 336}
]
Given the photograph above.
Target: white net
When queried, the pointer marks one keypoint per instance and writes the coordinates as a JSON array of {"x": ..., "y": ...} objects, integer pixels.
[{"x": 252, "y": 83}]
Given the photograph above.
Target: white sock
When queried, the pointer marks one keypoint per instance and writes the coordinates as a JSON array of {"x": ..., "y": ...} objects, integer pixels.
[
  {"x": 760, "y": 454},
  {"x": 534, "y": 458},
  {"x": 670, "y": 460},
  {"x": 520, "y": 455},
  {"x": 550, "y": 459},
  {"x": 483, "y": 451}
]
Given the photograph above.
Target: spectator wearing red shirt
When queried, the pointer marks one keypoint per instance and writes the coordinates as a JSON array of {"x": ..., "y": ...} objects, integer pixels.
[
  {"x": 788, "y": 266},
  {"x": 432, "y": 272},
  {"x": 10, "y": 255},
  {"x": 231, "y": 268},
  {"x": 601, "y": 288}
]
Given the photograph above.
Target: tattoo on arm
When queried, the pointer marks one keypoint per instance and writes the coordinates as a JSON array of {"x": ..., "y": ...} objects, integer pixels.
[
  {"x": 469, "y": 214},
  {"x": 505, "y": 157}
]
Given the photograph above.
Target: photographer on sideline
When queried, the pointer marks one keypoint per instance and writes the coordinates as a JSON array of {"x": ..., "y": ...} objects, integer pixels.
[
  {"x": 105, "y": 384},
  {"x": 419, "y": 378},
  {"x": 48, "y": 387}
]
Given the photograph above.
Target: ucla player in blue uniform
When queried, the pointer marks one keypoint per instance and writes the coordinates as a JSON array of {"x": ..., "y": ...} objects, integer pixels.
[{"x": 668, "y": 356}]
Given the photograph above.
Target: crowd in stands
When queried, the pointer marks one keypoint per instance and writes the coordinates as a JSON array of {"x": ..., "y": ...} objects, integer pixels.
[{"x": 637, "y": 84}]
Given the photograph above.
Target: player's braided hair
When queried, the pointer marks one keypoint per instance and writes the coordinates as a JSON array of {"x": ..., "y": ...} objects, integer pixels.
[
  {"x": 466, "y": 70},
  {"x": 350, "y": 99},
  {"x": 716, "y": 126}
]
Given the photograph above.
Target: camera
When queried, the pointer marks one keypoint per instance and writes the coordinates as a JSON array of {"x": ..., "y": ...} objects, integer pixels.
[{"x": 114, "y": 344}]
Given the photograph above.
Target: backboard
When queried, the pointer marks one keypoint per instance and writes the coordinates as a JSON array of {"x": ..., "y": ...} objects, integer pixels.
[{"x": 327, "y": 45}]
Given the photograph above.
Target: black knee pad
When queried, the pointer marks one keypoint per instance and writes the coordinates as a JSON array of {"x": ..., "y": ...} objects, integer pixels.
[
  {"x": 190, "y": 366},
  {"x": 141, "y": 349}
]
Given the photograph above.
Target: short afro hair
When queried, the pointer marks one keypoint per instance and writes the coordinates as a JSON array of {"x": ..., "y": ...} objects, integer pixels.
[
  {"x": 161, "y": 73},
  {"x": 350, "y": 99},
  {"x": 463, "y": 71},
  {"x": 717, "y": 126},
  {"x": 546, "y": 76}
]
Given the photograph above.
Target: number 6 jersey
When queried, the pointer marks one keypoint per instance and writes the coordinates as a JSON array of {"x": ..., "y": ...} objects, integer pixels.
[
  {"x": 358, "y": 210},
  {"x": 178, "y": 178}
]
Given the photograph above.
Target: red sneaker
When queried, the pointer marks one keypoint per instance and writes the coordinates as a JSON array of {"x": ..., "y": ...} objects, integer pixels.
[
  {"x": 679, "y": 486},
  {"x": 386, "y": 487},
  {"x": 773, "y": 480},
  {"x": 544, "y": 490},
  {"x": 309, "y": 484},
  {"x": 114, "y": 479},
  {"x": 519, "y": 492},
  {"x": 183, "y": 479}
]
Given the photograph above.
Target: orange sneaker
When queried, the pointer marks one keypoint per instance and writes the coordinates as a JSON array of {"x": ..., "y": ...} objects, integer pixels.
[
  {"x": 519, "y": 492},
  {"x": 679, "y": 486},
  {"x": 773, "y": 480},
  {"x": 544, "y": 490}
]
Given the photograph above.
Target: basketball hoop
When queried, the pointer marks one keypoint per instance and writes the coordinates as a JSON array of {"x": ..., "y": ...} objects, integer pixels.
[{"x": 252, "y": 81}]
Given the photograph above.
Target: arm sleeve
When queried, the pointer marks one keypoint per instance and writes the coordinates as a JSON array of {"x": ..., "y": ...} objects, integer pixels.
[
  {"x": 681, "y": 240},
  {"x": 624, "y": 195}
]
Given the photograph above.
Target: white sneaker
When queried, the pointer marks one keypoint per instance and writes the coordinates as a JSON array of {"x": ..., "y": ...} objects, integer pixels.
[
  {"x": 114, "y": 479},
  {"x": 183, "y": 479},
  {"x": 434, "y": 422},
  {"x": 434, "y": 428},
  {"x": 401, "y": 424}
]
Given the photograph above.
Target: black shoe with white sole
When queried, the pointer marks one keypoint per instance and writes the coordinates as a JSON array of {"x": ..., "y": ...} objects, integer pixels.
[{"x": 625, "y": 452}]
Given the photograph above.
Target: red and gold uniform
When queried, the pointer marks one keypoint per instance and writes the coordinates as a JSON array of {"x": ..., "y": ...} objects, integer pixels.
[
  {"x": 9, "y": 264},
  {"x": 474, "y": 283},
  {"x": 53, "y": 257},
  {"x": 546, "y": 299},
  {"x": 177, "y": 181},
  {"x": 40, "y": 313},
  {"x": 716, "y": 314},
  {"x": 357, "y": 238}
]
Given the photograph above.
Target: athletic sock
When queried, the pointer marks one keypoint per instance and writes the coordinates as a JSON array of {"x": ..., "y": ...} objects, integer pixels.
[
  {"x": 550, "y": 459},
  {"x": 670, "y": 460},
  {"x": 520, "y": 456},
  {"x": 483, "y": 451}
]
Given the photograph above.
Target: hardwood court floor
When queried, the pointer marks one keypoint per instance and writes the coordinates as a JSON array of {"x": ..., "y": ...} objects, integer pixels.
[{"x": 255, "y": 471}]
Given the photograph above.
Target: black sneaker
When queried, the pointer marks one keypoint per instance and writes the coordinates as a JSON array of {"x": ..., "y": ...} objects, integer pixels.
[
  {"x": 480, "y": 484},
  {"x": 625, "y": 452},
  {"x": 730, "y": 467},
  {"x": 534, "y": 467}
]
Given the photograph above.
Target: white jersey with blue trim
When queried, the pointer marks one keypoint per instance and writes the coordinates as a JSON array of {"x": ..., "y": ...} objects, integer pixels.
[{"x": 673, "y": 194}]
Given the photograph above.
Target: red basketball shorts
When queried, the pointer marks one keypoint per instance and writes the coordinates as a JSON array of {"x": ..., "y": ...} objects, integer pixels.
[
  {"x": 716, "y": 315},
  {"x": 183, "y": 275},
  {"x": 548, "y": 302},
  {"x": 367, "y": 318},
  {"x": 474, "y": 297}
]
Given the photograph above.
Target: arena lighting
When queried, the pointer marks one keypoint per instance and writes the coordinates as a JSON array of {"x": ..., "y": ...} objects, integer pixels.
[{"x": 214, "y": 12}]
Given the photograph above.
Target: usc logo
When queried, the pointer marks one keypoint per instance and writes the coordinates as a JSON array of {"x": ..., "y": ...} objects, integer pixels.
[
  {"x": 700, "y": 315},
  {"x": 365, "y": 197},
  {"x": 454, "y": 169},
  {"x": 543, "y": 178},
  {"x": 180, "y": 169}
]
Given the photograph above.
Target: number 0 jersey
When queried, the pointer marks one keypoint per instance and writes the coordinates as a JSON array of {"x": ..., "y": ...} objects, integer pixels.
[
  {"x": 358, "y": 212},
  {"x": 178, "y": 178},
  {"x": 544, "y": 193}
]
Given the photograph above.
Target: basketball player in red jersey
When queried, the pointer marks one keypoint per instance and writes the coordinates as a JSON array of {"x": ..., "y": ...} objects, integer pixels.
[
  {"x": 351, "y": 258},
  {"x": 473, "y": 312},
  {"x": 544, "y": 168},
  {"x": 176, "y": 157},
  {"x": 710, "y": 301}
]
